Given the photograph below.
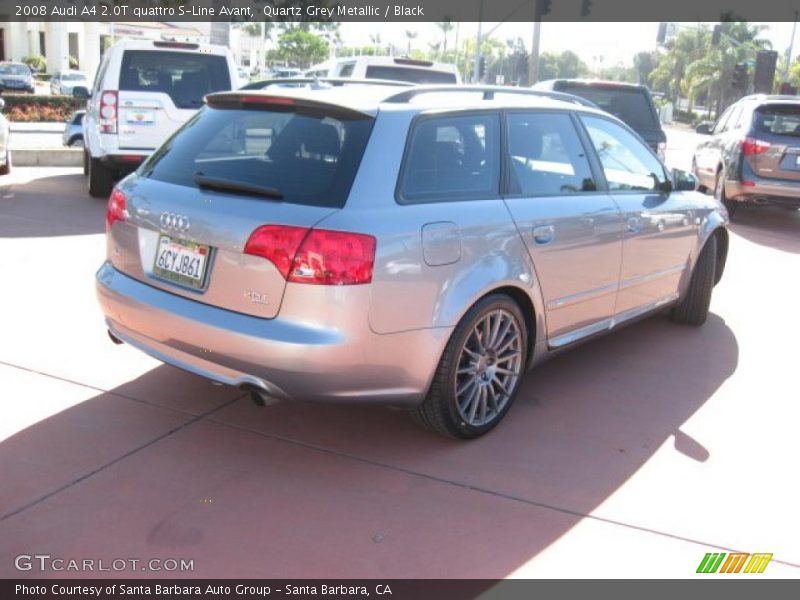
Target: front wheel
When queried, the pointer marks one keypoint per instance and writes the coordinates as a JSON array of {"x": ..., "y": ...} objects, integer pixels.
[
  {"x": 479, "y": 373},
  {"x": 693, "y": 309}
]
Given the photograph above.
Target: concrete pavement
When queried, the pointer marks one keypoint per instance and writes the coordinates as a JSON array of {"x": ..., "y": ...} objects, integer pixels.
[{"x": 630, "y": 456}]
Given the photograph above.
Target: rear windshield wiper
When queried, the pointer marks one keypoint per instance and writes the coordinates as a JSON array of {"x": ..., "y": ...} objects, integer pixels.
[{"x": 228, "y": 185}]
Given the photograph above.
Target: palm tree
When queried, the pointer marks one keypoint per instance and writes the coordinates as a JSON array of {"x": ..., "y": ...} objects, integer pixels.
[
  {"x": 446, "y": 27},
  {"x": 376, "y": 41},
  {"x": 410, "y": 35}
]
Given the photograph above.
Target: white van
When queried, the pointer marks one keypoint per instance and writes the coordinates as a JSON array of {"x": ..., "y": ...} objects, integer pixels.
[
  {"x": 387, "y": 67},
  {"x": 143, "y": 91}
]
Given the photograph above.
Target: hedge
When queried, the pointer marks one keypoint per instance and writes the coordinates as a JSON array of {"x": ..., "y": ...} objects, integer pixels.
[{"x": 26, "y": 108}]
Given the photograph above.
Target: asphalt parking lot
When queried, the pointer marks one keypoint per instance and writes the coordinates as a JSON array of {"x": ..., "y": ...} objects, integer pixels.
[{"x": 631, "y": 456}]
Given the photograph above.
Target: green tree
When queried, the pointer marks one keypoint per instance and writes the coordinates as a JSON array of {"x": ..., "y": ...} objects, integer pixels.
[
  {"x": 561, "y": 65},
  {"x": 410, "y": 35},
  {"x": 446, "y": 27},
  {"x": 300, "y": 48}
]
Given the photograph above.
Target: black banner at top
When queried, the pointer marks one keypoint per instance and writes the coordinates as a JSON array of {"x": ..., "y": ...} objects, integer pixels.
[{"x": 399, "y": 10}]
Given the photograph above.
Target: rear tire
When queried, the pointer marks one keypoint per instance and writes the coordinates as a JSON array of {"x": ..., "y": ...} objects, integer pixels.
[
  {"x": 479, "y": 373},
  {"x": 85, "y": 162},
  {"x": 693, "y": 309},
  {"x": 719, "y": 194},
  {"x": 6, "y": 168},
  {"x": 101, "y": 179}
]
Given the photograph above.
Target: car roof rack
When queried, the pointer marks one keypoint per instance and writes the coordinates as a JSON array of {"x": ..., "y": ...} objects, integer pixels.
[
  {"x": 488, "y": 92},
  {"x": 322, "y": 82}
]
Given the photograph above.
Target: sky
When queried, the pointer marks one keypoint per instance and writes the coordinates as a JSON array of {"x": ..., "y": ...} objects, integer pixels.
[{"x": 613, "y": 43}]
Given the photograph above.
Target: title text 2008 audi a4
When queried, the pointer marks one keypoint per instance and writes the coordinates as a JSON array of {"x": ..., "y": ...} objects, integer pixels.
[{"x": 420, "y": 247}]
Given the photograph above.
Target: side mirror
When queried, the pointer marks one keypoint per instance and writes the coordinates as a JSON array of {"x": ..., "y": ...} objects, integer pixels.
[
  {"x": 683, "y": 181},
  {"x": 703, "y": 129},
  {"x": 81, "y": 91}
]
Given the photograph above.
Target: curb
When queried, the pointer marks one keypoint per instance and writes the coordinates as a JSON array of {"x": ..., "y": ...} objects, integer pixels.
[{"x": 56, "y": 157}]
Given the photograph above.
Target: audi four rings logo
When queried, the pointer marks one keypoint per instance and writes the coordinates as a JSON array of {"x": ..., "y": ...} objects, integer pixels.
[{"x": 175, "y": 222}]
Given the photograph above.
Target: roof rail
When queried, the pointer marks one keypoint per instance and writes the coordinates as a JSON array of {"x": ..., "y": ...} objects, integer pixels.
[
  {"x": 322, "y": 82},
  {"x": 488, "y": 91}
]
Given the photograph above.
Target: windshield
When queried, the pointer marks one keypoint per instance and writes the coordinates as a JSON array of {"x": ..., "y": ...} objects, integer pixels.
[
  {"x": 185, "y": 77},
  {"x": 305, "y": 159},
  {"x": 778, "y": 119},
  {"x": 14, "y": 70},
  {"x": 630, "y": 105},
  {"x": 410, "y": 74}
]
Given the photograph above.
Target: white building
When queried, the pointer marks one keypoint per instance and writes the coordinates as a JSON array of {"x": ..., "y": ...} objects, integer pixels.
[{"x": 85, "y": 41}]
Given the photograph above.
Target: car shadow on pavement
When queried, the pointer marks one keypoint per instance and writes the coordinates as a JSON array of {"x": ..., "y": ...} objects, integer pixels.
[
  {"x": 296, "y": 489},
  {"x": 48, "y": 206},
  {"x": 770, "y": 226}
]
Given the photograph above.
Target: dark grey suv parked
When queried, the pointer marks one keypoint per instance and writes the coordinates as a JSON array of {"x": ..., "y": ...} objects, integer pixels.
[
  {"x": 420, "y": 247},
  {"x": 752, "y": 154}
]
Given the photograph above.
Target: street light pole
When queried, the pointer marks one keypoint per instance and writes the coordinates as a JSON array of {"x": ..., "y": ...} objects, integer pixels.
[
  {"x": 790, "y": 51},
  {"x": 533, "y": 62}
]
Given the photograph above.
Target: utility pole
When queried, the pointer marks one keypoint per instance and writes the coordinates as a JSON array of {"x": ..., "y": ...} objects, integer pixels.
[
  {"x": 790, "y": 51},
  {"x": 476, "y": 67}
]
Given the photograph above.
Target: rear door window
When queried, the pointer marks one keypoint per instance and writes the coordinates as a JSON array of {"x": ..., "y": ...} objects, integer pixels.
[
  {"x": 307, "y": 159},
  {"x": 452, "y": 158},
  {"x": 185, "y": 77},
  {"x": 778, "y": 120},
  {"x": 546, "y": 156}
]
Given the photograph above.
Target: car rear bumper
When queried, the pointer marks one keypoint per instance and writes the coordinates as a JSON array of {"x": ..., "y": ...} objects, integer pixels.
[
  {"x": 782, "y": 193},
  {"x": 126, "y": 163},
  {"x": 286, "y": 357}
]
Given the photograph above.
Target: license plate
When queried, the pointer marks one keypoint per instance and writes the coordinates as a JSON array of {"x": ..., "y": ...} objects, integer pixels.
[
  {"x": 141, "y": 117},
  {"x": 181, "y": 261}
]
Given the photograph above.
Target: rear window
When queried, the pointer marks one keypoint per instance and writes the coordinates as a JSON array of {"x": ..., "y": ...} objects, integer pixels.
[
  {"x": 309, "y": 159},
  {"x": 778, "y": 120},
  {"x": 185, "y": 77},
  {"x": 410, "y": 74},
  {"x": 73, "y": 77},
  {"x": 629, "y": 105}
]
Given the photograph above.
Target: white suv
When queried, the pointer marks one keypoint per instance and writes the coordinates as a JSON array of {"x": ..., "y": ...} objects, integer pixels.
[
  {"x": 144, "y": 90},
  {"x": 387, "y": 67}
]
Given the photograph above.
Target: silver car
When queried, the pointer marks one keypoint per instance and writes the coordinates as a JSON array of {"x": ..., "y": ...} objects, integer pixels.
[{"x": 419, "y": 247}]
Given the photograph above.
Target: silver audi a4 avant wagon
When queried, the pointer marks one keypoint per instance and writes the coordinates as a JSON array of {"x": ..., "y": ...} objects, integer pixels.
[{"x": 420, "y": 247}]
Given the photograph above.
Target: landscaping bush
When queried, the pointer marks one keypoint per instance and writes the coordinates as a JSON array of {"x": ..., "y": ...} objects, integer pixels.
[
  {"x": 21, "y": 108},
  {"x": 36, "y": 62},
  {"x": 683, "y": 116}
]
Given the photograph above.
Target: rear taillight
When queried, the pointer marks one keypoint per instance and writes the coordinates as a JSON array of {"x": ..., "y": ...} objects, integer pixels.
[
  {"x": 315, "y": 256},
  {"x": 116, "y": 208},
  {"x": 751, "y": 146},
  {"x": 109, "y": 111}
]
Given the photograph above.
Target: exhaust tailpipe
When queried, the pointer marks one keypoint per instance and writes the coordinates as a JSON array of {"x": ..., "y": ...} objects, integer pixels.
[
  {"x": 114, "y": 338},
  {"x": 258, "y": 396}
]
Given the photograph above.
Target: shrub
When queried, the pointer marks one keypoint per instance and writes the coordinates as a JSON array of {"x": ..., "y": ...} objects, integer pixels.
[
  {"x": 23, "y": 108},
  {"x": 36, "y": 62},
  {"x": 73, "y": 62}
]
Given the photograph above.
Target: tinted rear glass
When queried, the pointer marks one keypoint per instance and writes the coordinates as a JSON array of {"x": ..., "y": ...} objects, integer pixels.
[
  {"x": 778, "y": 120},
  {"x": 629, "y": 105},
  {"x": 310, "y": 159},
  {"x": 185, "y": 77},
  {"x": 410, "y": 74}
]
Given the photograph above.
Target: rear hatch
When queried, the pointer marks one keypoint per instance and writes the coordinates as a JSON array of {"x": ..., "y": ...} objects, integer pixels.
[
  {"x": 219, "y": 211},
  {"x": 631, "y": 105},
  {"x": 774, "y": 152},
  {"x": 161, "y": 89}
]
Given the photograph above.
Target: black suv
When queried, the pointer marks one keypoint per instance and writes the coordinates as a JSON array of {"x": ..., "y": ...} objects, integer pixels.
[
  {"x": 629, "y": 102},
  {"x": 752, "y": 153}
]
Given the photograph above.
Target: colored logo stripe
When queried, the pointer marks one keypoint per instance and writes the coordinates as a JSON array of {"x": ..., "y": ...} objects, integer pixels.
[{"x": 733, "y": 564}]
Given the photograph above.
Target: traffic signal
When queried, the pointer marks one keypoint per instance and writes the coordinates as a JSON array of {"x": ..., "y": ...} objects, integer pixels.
[
  {"x": 543, "y": 7},
  {"x": 586, "y": 8},
  {"x": 739, "y": 80},
  {"x": 482, "y": 67},
  {"x": 716, "y": 35},
  {"x": 662, "y": 33}
]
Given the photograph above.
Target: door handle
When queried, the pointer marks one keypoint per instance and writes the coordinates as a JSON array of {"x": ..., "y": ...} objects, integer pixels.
[
  {"x": 543, "y": 234},
  {"x": 634, "y": 224}
]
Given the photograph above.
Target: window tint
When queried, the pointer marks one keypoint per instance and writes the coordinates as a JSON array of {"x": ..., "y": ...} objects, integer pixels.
[
  {"x": 452, "y": 158},
  {"x": 546, "y": 155},
  {"x": 631, "y": 105},
  {"x": 719, "y": 126},
  {"x": 185, "y": 77},
  {"x": 310, "y": 160},
  {"x": 410, "y": 74},
  {"x": 346, "y": 70},
  {"x": 778, "y": 119},
  {"x": 627, "y": 163}
]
